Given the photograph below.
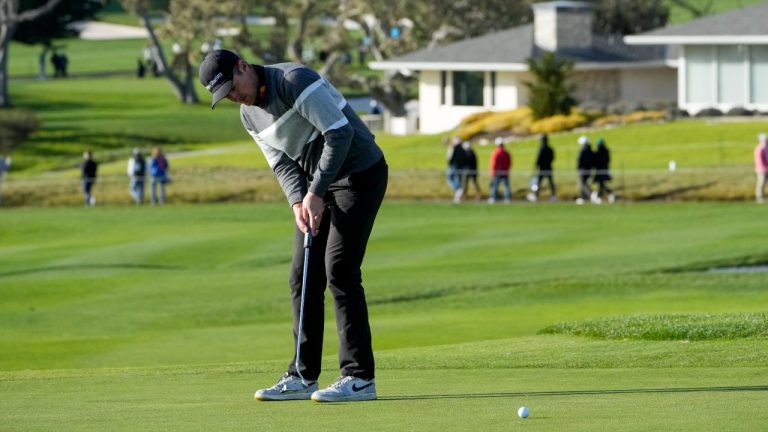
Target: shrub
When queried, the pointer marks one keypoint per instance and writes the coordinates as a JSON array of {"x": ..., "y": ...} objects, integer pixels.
[
  {"x": 559, "y": 122},
  {"x": 739, "y": 111},
  {"x": 15, "y": 127},
  {"x": 550, "y": 92},
  {"x": 610, "y": 119},
  {"x": 709, "y": 112},
  {"x": 474, "y": 117},
  {"x": 517, "y": 120},
  {"x": 645, "y": 116},
  {"x": 625, "y": 107}
]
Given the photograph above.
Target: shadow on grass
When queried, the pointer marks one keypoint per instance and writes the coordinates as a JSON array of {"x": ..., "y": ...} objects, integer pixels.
[
  {"x": 80, "y": 267},
  {"x": 661, "y": 195},
  {"x": 578, "y": 393}
]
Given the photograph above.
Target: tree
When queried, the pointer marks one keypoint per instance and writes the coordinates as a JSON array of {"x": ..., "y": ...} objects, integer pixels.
[
  {"x": 295, "y": 22},
  {"x": 624, "y": 17},
  {"x": 397, "y": 27},
  {"x": 55, "y": 25},
  {"x": 13, "y": 13},
  {"x": 188, "y": 24},
  {"x": 550, "y": 92}
]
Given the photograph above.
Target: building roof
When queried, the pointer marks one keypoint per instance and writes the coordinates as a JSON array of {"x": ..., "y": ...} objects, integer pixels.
[
  {"x": 739, "y": 26},
  {"x": 508, "y": 50}
]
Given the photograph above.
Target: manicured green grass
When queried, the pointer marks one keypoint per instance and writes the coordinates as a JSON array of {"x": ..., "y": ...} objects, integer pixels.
[
  {"x": 669, "y": 327},
  {"x": 168, "y": 318},
  {"x": 679, "y": 15}
]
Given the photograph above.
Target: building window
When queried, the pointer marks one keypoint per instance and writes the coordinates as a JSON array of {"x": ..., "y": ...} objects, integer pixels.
[
  {"x": 759, "y": 72},
  {"x": 493, "y": 88},
  {"x": 468, "y": 88},
  {"x": 443, "y": 84},
  {"x": 700, "y": 76},
  {"x": 731, "y": 71}
]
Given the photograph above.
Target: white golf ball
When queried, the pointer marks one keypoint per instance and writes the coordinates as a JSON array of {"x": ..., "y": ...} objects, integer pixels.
[{"x": 522, "y": 412}]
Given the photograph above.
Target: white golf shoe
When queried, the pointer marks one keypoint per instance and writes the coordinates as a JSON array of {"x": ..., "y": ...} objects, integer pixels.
[
  {"x": 347, "y": 389},
  {"x": 288, "y": 387}
]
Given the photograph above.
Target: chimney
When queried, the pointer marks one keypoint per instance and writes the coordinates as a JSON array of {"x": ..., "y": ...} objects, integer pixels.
[{"x": 562, "y": 24}]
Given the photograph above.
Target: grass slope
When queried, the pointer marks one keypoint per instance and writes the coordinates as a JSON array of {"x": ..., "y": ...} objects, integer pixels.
[{"x": 168, "y": 318}]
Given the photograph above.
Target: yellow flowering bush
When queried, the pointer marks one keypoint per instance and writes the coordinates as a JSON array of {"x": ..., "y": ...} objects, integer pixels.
[{"x": 559, "y": 122}]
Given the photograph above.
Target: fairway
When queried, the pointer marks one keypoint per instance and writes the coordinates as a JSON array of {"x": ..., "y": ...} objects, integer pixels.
[{"x": 169, "y": 318}]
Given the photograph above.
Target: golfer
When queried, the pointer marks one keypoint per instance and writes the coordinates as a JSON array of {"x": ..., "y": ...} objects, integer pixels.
[{"x": 334, "y": 176}]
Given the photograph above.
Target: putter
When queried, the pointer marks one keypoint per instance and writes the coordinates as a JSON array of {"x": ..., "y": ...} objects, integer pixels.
[{"x": 307, "y": 244}]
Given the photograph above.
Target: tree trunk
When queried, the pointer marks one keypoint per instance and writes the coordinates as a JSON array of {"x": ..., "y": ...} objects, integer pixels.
[
  {"x": 6, "y": 30},
  {"x": 190, "y": 96},
  {"x": 179, "y": 89},
  {"x": 297, "y": 45},
  {"x": 9, "y": 19}
]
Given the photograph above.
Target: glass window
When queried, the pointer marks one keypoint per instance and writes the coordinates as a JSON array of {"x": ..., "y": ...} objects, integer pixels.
[
  {"x": 699, "y": 76},
  {"x": 443, "y": 83},
  {"x": 759, "y": 73},
  {"x": 493, "y": 88},
  {"x": 731, "y": 71},
  {"x": 468, "y": 88}
]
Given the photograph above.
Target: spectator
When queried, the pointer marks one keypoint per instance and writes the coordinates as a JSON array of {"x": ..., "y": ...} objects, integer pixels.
[
  {"x": 584, "y": 165},
  {"x": 501, "y": 164},
  {"x": 5, "y": 166},
  {"x": 761, "y": 166},
  {"x": 158, "y": 171},
  {"x": 88, "y": 170},
  {"x": 544, "y": 160},
  {"x": 137, "y": 171},
  {"x": 602, "y": 161},
  {"x": 470, "y": 169},
  {"x": 141, "y": 70},
  {"x": 63, "y": 62},
  {"x": 456, "y": 162},
  {"x": 56, "y": 62},
  {"x": 373, "y": 107}
]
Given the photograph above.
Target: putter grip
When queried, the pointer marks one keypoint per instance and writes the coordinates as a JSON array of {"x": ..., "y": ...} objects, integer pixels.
[{"x": 307, "y": 240}]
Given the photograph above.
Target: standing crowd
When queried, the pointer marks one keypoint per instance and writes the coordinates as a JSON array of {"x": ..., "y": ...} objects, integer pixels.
[
  {"x": 157, "y": 167},
  {"x": 593, "y": 167}
]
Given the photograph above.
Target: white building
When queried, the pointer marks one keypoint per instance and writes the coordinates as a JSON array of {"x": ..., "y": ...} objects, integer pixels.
[
  {"x": 489, "y": 72},
  {"x": 723, "y": 59}
]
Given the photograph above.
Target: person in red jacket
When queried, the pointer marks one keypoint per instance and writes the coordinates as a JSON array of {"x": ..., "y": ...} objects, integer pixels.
[{"x": 501, "y": 163}]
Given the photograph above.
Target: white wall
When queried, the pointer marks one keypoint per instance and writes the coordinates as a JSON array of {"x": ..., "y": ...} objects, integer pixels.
[
  {"x": 435, "y": 117},
  {"x": 649, "y": 85}
]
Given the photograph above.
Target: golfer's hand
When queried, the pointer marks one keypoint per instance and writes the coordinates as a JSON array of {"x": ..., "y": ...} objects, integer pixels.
[
  {"x": 298, "y": 214},
  {"x": 309, "y": 213},
  {"x": 313, "y": 207}
]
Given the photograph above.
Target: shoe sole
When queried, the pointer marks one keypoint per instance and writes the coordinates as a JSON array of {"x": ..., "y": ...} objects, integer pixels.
[
  {"x": 355, "y": 398},
  {"x": 267, "y": 398}
]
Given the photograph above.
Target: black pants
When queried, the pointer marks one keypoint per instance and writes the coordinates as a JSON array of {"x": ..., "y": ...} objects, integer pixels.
[
  {"x": 584, "y": 188},
  {"x": 546, "y": 175},
  {"x": 335, "y": 259},
  {"x": 602, "y": 187}
]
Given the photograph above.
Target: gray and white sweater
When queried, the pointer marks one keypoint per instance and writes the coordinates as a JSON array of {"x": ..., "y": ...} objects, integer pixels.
[{"x": 308, "y": 133}]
